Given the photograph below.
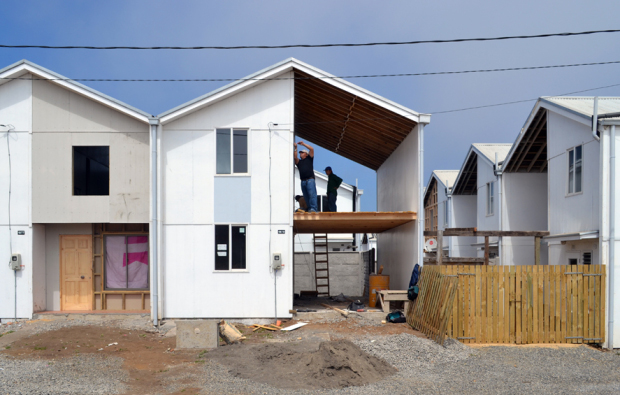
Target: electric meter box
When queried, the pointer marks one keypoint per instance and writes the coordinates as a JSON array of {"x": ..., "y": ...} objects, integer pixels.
[
  {"x": 276, "y": 262},
  {"x": 16, "y": 262}
]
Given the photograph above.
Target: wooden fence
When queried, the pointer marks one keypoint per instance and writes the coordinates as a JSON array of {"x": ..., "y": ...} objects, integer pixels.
[
  {"x": 431, "y": 311},
  {"x": 527, "y": 304}
]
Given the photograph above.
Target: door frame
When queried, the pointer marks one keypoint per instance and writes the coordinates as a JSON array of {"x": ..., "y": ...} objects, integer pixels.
[{"x": 62, "y": 302}]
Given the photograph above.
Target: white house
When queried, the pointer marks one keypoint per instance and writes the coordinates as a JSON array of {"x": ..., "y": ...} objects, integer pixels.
[
  {"x": 476, "y": 191},
  {"x": 559, "y": 141},
  {"x": 77, "y": 184},
  {"x": 349, "y": 200},
  {"x": 227, "y": 183},
  {"x": 437, "y": 206},
  {"x": 185, "y": 213}
]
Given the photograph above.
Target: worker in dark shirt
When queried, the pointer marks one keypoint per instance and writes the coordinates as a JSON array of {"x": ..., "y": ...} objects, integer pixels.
[
  {"x": 305, "y": 164},
  {"x": 333, "y": 182}
]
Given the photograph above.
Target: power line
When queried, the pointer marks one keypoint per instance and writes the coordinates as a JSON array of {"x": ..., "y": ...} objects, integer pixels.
[
  {"x": 317, "y": 78},
  {"x": 371, "y": 44}
]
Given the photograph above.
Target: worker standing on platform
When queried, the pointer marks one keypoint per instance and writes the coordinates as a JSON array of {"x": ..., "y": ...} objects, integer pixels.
[
  {"x": 333, "y": 182},
  {"x": 305, "y": 164}
]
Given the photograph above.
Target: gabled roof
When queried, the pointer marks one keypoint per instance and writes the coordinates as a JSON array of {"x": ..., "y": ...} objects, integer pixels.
[
  {"x": 466, "y": 182},
  {"x": 584, "y": 106},
  {"x": 329, "y": 111},
  {"x": 23, "y": 67},
  {"x": 441, "y": 176}
]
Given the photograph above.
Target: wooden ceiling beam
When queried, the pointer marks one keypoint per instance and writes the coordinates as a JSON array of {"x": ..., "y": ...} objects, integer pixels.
[
  {"x": 521, "y": 149},
  {"x": 539, "y": 127},
  {"x": 542, "y": 147}
]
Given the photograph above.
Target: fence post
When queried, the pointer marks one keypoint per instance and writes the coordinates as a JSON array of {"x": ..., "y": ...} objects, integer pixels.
[
  {"x": 537, "y": 250},
  {"x": 486, "y": 250}
]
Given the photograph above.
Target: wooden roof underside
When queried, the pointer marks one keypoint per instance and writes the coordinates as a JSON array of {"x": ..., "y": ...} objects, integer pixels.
[
  {"x": 531, "y": 153},
  {"x": 346, "y": 124},
  {"x": 350, "y": 222},
  {"x": 467, "y": 184}
]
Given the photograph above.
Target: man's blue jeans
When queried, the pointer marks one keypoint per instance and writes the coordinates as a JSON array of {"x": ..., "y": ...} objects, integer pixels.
[
  {"x": 308, "y": 188},
  {"x": 331, "y": 201}
]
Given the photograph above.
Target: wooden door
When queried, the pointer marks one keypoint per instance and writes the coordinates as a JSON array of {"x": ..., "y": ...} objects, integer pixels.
[{"x": 76, "y": 272}]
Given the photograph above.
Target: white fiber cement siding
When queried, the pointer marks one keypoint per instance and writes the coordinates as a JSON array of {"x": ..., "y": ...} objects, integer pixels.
[
  {"x": 525, "y": 208},
  {"x": 464, "y": 216},
  {"x": 486, "y": 222},
  {"x": 63, "y": 119},
  {"x": 191, "y": 286},
  {"x": 398, "y": 190},
  {"x": 580, "y": 212},
  {"x": 16, "y": 289}
]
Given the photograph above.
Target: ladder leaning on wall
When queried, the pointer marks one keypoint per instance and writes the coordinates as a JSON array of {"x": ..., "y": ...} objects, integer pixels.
[{"x": 321, "y": 264}]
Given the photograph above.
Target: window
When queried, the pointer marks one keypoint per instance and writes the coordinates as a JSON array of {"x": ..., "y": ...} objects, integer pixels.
[
  {"x": 575, "y": 166},
  {"x": 587, "y": 258},
  {"x": 446, "y": 219},
  {"x": 230, "y": 247},
  {"x": 91, "y": 171},
  {"x": 490, "y": 197},
  {"x": 232, "y": 151},
  {"x": 126, "y": 262}
]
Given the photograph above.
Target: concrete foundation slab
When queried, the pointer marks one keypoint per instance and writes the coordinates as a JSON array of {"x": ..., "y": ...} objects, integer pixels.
[{"x": 197, "y": 334}]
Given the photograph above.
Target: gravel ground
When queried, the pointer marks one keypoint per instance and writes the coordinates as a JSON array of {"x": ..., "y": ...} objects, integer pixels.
[
  {"x": 425, "y": 367},
  {"x": 85, "y": 374}
]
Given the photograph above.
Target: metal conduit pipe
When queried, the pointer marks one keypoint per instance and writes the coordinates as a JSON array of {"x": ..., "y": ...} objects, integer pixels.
[
  {"x": 498, "y": 174},
  {"x": 153, "y": 229},
  {"x": 612, "y": 237},
  {"x": 421, "y": 194}
]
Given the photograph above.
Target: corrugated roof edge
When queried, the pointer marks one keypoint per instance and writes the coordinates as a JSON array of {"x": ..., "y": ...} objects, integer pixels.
[
  {"x": 292, "y": 63},
  {"x": 77, "y": 84},
  {"x": 436, "y": 176}
]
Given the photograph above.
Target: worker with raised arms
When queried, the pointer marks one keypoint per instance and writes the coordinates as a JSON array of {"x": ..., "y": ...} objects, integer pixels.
[{"x": 305, "y": 164}]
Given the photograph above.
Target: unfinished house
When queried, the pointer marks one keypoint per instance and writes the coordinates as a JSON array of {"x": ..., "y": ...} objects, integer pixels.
[
  {"x": 227, "y": 184},
  {"x": 346, "y": 261},
  {"x": 438, "y": 210},
  {"x": 79, "y": 206},
  {"x": 476, "y": 190}
]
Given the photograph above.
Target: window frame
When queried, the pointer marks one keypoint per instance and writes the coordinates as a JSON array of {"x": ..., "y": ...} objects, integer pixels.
[
  {"x": 103, "y": 260},
  {"x": 490, "y": 199},
  {"x": 73, "y": 168},
  {"x": 229, "y": 251},
  {"x": 574, "y": 175},
  {"x": 232, "y": 173}
]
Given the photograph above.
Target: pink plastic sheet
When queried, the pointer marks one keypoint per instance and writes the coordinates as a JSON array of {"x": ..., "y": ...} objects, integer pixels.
[{"x": 127, "y": 262}]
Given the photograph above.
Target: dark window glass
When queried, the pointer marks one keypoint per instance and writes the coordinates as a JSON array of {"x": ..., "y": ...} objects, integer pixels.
[
  {"x": 238, "y": 247},
  {"x": 240, "y": 151},
  {"x": 223, "y": 151},
  {"x": 91, "y": 171},
  {"x": 324, "y": 203},
  {"x": 221, "y": 247}
]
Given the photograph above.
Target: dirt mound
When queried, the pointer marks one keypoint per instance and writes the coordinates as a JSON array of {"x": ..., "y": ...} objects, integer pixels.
[{"x": 304, "y": 365}]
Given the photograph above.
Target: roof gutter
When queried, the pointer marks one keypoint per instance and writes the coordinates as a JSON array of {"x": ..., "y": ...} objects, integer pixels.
[
  {"x": 595, "y": 120},
  {"x": 498, "y": 173}
]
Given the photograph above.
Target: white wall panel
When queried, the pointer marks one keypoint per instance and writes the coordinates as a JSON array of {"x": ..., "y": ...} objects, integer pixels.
[
  {"x": 38, "y": 267},
  {"x": 255, "y": 107},
  {"x": 577, "y": 213},
  {"x": 397, "y": 190},
  {"x": 9, "y": 293},
  {"x": 194, "y": 289},
  {"x": 16, "y": 104},
  {"x": 464, "y": 211}
]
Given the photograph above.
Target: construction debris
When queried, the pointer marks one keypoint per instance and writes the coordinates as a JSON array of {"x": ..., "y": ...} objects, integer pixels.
[
  {"x": 229, "y": 333},
  {"x": 345, "y": 313}
]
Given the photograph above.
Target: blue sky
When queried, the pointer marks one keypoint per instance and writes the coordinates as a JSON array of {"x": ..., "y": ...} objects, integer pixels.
[{"x": 200, "y": 22}]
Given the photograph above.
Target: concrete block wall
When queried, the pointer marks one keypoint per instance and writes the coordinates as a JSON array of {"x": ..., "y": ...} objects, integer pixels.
[{"x": 346, "y": 273}]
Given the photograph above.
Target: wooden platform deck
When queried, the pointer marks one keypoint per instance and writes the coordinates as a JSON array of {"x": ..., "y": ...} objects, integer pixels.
[{"x": 350, "y": 222}]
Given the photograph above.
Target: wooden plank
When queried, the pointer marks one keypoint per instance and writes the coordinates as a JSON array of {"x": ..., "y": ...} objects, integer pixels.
[
  {"x": 506, "y": 311},
  {"x": 518, "y": 302},
  {"x": 500, "y": 303},
  {"x": 477, "y": 305},
  {"x": 590, "y": 304},
  {"x": 497, "y": 314},
  {"x": 597, "y": 303},
  {"x": 483, "y": 305},
  {"x": 603, "y": 298},
  {"x": 511, "y": 301},
  {"x": 563, "y": 303},
  {"x": 547, "y": 303},
  {"x": 471, "y": 310},
  {"x": 541, "y": 317},
  {"x": 573, "y": 305},
  {"x": 531, "y": 306},
  {"x": 557, "y": 305},
  {"x": 580, "y": 302},
  {"x": 486, "y": 250},
  {"x": 534, "y": 288},
  {"x": 453, "y": 260}
]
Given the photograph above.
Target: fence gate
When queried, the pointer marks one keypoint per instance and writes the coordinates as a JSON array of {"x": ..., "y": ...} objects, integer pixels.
[{"x": 528, "y": 304}]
